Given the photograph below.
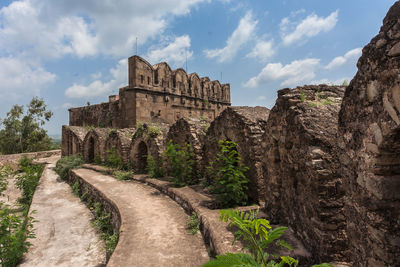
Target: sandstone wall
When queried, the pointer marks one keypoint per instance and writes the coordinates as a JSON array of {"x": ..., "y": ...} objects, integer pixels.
[
  {"x": 190, "y": 131},
  {"x": 119, "y": 140},
  {"x": 302, "y": 186},
  {"x": 99, "y": 115},
  {"x": 94, "y": 144},
  {"x": 370, "y": 149},
  {"x": 245, "y": 126},
  {"x": 72, "y": 140}
]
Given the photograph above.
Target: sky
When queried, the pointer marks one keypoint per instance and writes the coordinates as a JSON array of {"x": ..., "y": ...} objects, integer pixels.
[{"x": 70, "y": 52}]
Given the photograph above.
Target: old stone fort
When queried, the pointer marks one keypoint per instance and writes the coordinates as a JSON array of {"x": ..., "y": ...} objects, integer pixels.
[{"x": 325, "y": 160}]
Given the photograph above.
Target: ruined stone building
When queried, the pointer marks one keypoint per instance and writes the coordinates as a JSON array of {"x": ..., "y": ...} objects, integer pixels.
[
  {"x": 155, "y": 94},
  {"x": 325, "y": 160}
]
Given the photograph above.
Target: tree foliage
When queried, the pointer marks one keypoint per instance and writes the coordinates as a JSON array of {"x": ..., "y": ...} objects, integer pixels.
[{"x": 22, "y": 131}]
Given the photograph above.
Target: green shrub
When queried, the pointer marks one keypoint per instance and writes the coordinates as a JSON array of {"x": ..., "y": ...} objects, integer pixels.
[
  {"x": 28, "y": 180},
  {"x": 193, "y": 225},
  {"x": 113, "y": 160},
  {"x": 123, "y": 175},
  {"x": 180, "y": 164},
  {"x": 154, "y": 169},
  {"x": 257, "y": 235},
  {"x": 65, "y": 164},
  {"x": 227, "y": 175}
]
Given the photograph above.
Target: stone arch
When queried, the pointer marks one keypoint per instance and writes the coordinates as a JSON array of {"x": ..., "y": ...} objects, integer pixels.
[
  {"x": 195, "y": 84},
  {"x": 155, "y": 144},
  {"x": 120, "y": 140},
  {"x": 190, "y": 131},
  {"x": 206, "y": 88},
  {"x": 163, "y": 75},
  {"x": 300, "y": 168},
  {"x": 181, "y": 81},
  {"x": 244, "y": 126},
  {"x": 72, "y": 140},
  {"x": 226, "y": 93},
  {"x": 94, "y": 144}
]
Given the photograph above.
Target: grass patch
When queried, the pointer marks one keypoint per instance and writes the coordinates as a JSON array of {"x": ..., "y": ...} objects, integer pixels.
[
  {"x": 66, "y": 164},
  {"x": 193, "y": 225},
  {"x": 123, "y": 175}
]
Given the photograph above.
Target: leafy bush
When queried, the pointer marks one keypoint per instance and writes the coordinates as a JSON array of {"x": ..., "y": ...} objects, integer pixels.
[
  {"x": 28, "y": 180},
  {"x": 65, "y": 164},
  {"x": 16, "y": 229},
  {"x": 258, "y": 236},
  {"x": 153, "y": 168},
  {"x": 123, "y": 175},
  {"x": 113, "y": 160},
  {"x": 227, "y": 175},
  {"x": 179, "y": 164},
  {"x": 193, "y": 225}
]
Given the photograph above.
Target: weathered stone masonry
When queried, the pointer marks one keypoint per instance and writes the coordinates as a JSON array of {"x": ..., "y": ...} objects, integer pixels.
[
  {"x": 325, "y": 160},
  {"x": 155, "y": 94}
]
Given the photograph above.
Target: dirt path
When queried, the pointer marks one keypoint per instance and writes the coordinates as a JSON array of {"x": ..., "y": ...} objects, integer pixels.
[
  {"x": 153, "y": 226},
  {"x": 64, "y": 235}
]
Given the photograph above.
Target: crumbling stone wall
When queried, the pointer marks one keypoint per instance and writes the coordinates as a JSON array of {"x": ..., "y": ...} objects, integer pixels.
[
  {"x": 99, "y": 115},
  {"x": 149, "y": 140},
  {"x": 72, "y": 140},
  {"x": 245, "y": 126},
  {"x": 94, "y": 144},
  {"x": 119, "y": 140},
  {"x": 370, "y": 152},
  {"x": 190, "y": 131},
  {"x": 302, "y": 186}
]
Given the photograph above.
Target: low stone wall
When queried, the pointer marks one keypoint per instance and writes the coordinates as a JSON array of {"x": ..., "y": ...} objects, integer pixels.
[
  {"x": 302, "y": 186},
  {"x": 12, "y": 159}
]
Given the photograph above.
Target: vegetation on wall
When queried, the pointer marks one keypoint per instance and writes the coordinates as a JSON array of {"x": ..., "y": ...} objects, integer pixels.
[
  {"x": 17, "y": 228},
  {"x": 147, "y": 130},
  {"x": 227, "y": 176},
  {"x": 258, "y": 236},
  {"x": 22, "y": 131},
  {"x": 66, "y": 164}
]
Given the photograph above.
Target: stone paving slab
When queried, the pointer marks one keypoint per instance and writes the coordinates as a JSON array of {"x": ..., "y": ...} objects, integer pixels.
[
  {"x": 153, "y": 227},
  {"x": 64, "y": 234}
]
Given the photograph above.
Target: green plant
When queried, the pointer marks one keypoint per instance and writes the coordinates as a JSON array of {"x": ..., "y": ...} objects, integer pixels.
[
  {"x": 227, "y": 174},
  {"x": 147, "y": 130},
  {"x": 5, "y": 171},
  {"x": 180, "y": 164},
  {"x": 65, "y": 164},
  {"x": 28, "y": 180},
  {"x": 193, "y": 225},
  {"x": 123, "y": 175},
  {"x": 97, "y": 159},
  {"x": 257, "y": 235},
  {"x": 76, "y": 188},
  {"x": 113, "y": 159},
  {"x": 153, "y": 168},
  {"x": 302, "y": 96}
]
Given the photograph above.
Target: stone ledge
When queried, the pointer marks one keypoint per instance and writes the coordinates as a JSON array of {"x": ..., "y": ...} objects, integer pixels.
[{"x": 215, "y": 233}]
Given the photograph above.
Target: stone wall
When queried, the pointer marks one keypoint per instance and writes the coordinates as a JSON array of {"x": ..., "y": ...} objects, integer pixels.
[
  {"x": 72, "y": 140},
  {"x": 146, "y": 142},
  {"x": 94, "y": 144},
  {"x": 99, "y": 115},
  {"x": 302, "y": 186},
  {"x": 119, "y": 141},
  {"x": 244, "y": 126},
  {"x": 370, "y": 149},
  {"x": 190, "y": 131}
]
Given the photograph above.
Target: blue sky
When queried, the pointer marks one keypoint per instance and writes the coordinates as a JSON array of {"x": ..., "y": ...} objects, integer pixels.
[{"x": 70, "y": 51}]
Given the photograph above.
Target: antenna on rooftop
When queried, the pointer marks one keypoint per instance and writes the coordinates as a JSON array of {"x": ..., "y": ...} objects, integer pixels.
[{"x": 136, "y": 46}]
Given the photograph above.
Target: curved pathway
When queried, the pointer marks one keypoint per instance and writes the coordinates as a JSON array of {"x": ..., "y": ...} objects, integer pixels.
[
  {"x": 153, "y": 226},
  {"x": 64, "y": 234}
]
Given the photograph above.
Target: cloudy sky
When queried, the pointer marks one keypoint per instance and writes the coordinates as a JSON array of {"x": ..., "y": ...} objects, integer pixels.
[{"x": 71, "y": 51}]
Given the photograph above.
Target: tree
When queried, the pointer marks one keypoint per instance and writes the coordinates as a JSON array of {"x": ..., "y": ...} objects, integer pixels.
[{"x": 23, "y": 132}]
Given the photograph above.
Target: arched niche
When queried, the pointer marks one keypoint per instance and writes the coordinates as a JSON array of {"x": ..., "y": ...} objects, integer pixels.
[{"x": 181, "y": 81}]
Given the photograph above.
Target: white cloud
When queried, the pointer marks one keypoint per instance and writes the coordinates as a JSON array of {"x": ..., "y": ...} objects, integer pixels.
[
  {"x": 262, "y": 51},
  {"x": 295, "y": 73},
  {"x": 240, "y": 36},
  {"x": 338, "y": 61},
  {"x": 52, "y": 29},
  {"x": 175, "y": 52},
  {"x": 97, "y": 88},
  {"x": 18, "y": 77},
  {"x": 331, "y": 82},
  {"x": 261, "y": 98},
  {"x": 309, "y": 27}
]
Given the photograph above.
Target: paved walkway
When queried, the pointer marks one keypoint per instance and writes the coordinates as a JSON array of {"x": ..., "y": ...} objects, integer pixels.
[
  {"x": 64, "y": 235},
  {"x": 153, "y": 227}
]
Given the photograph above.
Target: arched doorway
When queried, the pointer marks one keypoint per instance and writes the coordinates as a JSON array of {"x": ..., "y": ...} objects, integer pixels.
[
  {"x": 142, "y": 157},
  {"x": 91, "y": 149}
]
